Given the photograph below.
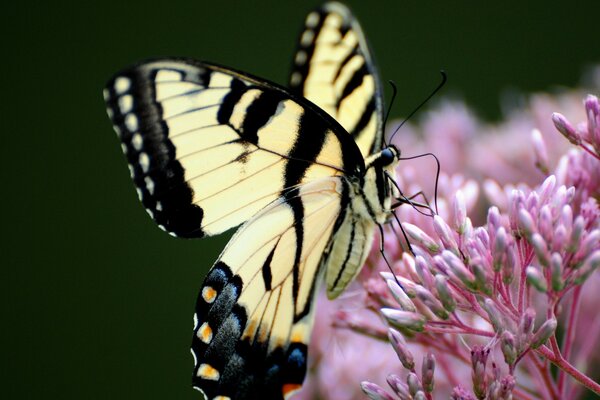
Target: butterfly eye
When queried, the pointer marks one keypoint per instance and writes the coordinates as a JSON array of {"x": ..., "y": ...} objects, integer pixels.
[{"x": 387, "y": 156}]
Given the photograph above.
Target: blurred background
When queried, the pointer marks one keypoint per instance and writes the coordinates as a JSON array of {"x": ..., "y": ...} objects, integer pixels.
[{"x": 98, "y": 301}]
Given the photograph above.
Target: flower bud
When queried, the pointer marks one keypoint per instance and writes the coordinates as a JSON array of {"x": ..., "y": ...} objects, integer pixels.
[
  {"x": 525, "y": 332},
  {"x": 539, "y": 151},
  {"x": 544, "y": 333},
  {"x": 589, "y": 265},
  {"x": 444, "y": 294},
  {"x": 413, "y": 383},
  {"x": 421, "y": 238},
  {"x": 494, "y": 315},
  {"x": 589, "y": 243},
  {"x": 556, "y": 271},
  {"x": 545, "y": 224},
  {"x": 374, "y": 391},
  {"x": 479, "y": 356},
  {"x": 400, "y": 296},
  {"x": 431, "y": 302},
  {"x": 404, "y": 319},
  {"x": 507, "y": 385},
  {"x": 565, "y": 127},
  {"x": 422, "y": 270},
  {"x": 576, "y": 233},
  {"x": 399, "y": 387},
  {"x": 401, "y": 349},
  {"x": 547, "y": 189},
  {"x": 494, "y": 221},
  {"x": 445, "y": 234},
  {"x": 560, "y": 238},
  {"x": 508, "y": 268},
  {"x": 536, "y": 279},
  {"x": 526, "y": 224},
  {"x": 482, "y": 281},
  {"x": 420, "y": 396},
  {"x": 508, "y": 346},
  {"x": 427, "y": 370},
  {"x": 459, "y": 270},
  {"x": 460, "y": 211},
  {"x": 592, "y": 106},
  {"x": 540, "y": 248},
  {"x": 498, "y": 254}
]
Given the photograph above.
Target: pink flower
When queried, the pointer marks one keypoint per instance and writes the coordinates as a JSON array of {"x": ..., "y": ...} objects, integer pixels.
[{"x": 509, "y": 260}]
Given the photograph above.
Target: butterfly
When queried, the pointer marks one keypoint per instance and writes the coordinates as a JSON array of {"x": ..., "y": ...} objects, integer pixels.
[{"x": 304, "y": 170}]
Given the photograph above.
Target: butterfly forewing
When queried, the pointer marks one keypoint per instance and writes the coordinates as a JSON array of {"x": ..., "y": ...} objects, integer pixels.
[
  {"x": 334, "y": 68},
  {"x": 209, "y": 147}
]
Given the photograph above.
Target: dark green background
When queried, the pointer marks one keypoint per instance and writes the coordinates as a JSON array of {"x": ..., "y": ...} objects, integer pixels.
[{"x": 98, "y": 300}]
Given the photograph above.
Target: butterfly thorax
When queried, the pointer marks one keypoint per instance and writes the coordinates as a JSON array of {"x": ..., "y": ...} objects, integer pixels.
[
  {"x": 373, "y": 197},
  {"x": 370, "y": 204}
]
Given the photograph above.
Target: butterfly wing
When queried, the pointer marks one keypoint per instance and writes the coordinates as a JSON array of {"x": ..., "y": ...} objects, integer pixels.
[
  {"x": 333, "y": 67},
  {"x": 254, "y": 316},
  {"x": 208, "y": 147}
]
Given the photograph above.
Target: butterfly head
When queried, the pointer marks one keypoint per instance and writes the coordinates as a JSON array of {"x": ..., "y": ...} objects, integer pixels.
[{"x": 388, "y": 156}]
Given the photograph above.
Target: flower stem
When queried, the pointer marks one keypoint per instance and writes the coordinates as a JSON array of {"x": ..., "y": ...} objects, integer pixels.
[
  {"x": 564, "y": 365},
  {"x": 568, "y": 339}
]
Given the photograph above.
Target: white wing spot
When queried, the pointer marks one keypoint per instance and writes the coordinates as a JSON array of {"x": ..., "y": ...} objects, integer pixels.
[
  {"x": 105, "y": 94},
  {"x": 172, "y": 234},
  {"x": 208, "y": 372},
  {"x": 194, "y": 355},
  {"x": 117, "y": 130},
  {"x": 110, "y": 113},
  {"x": 200, "y": 390},
  {"x": 312, "y": 19},
  {"x": 296, "y": 78},
  {"x": 139, "y": 193},
  {"x": 150, "y": 213},
  {"x": 131, "y": 171},
  {"x": 162, "y": 228},
  {"x": 124, "y": 148},
  {"x": 158, "y": 206},
  {"x": 149, "y": 185},
  {"x": 137, "y": 141},
  {"x": 195, "y": 321},
  {"x": 126, "y": 103},
  {"x": 307, "y": 38},
  {"x": 131, "y": 122},
  {"x": 122, "y": 84},
  {"x": 300, "y": 57},
  {"x": 144, "y": 161}
]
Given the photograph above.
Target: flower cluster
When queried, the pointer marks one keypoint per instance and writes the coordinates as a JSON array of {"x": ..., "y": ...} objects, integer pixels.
[{"x": 493, "y": 292}]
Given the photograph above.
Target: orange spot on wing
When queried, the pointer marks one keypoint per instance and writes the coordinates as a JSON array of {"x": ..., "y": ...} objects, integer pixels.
[
  {"x": 209, "y": 294},
  {"x": 297, "y": 338},
  {"x": 290, "y": 388}
]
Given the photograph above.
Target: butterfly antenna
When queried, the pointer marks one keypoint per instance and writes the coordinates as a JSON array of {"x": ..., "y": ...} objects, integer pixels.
[
  {"x": 394, "y": 93},
  {"x": 437, "y": 89},
  {"x": 437, "y": 174}
]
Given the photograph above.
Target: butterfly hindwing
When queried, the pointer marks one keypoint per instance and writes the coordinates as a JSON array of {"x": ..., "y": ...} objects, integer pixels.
[
  {"x": 334, "y": 69},
  {"x": 254, "y": 315},
  {"x": 209, "y": 147}
]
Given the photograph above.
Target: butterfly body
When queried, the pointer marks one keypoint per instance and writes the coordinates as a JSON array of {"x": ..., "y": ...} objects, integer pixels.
[{"x": 304, "y": 171}]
